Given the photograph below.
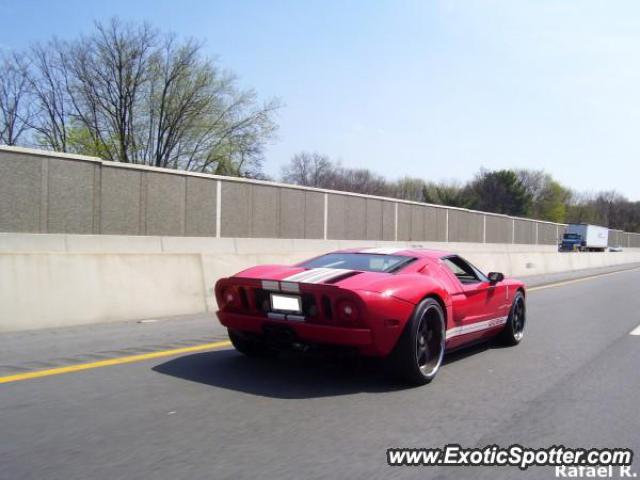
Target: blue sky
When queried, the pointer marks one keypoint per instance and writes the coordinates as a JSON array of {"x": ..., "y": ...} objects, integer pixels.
[{"x": 435, "y": 89}]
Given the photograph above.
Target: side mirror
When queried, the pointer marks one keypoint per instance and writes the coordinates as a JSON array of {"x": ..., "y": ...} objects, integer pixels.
[{"x": 495, "y": 277}]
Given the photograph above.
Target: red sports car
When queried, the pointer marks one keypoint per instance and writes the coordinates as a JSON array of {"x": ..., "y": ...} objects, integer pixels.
[{"x": 407, "y": 304}]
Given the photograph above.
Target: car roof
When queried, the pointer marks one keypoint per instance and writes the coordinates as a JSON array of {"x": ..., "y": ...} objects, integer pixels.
[{"x": 416, "y": 251}]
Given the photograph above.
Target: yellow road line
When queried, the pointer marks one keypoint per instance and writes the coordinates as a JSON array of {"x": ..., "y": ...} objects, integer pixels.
[
  {"x": 113, "y": 361},
  {"x": 583, "y": 279}
]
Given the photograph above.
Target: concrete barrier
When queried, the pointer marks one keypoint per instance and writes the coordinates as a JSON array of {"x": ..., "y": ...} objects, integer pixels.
[
  {"x": 55, "y": 290},
  {"x": 49, "y": 280}
]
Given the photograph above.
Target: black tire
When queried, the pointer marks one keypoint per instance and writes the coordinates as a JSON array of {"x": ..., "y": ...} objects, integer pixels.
[
  {"x": 516, "y": 321},
  {"x": 418, "y": 354},
  {"x": 249, "y": 346}
]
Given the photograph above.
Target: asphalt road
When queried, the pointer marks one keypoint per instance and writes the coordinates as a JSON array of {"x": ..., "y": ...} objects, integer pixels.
[{"x": 575, "y": 380}]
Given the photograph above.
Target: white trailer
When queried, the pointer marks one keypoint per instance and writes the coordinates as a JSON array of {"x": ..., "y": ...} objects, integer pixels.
[{"x": 585, "y": 238}]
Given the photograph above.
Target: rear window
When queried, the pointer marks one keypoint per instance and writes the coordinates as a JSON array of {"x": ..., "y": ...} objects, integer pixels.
[
  {"x": 571, "y": 236},
  {"x": 360, "y": 261}
]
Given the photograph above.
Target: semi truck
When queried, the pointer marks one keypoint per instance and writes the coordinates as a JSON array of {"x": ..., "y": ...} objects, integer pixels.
[{"x": 581, "y": 237}]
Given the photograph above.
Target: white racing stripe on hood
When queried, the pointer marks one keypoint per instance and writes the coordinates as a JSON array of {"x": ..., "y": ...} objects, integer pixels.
[
  {"x": 317, "y": 275},
  {"x": 337, "y": 272},
  {"x": 301, "y": 276}
]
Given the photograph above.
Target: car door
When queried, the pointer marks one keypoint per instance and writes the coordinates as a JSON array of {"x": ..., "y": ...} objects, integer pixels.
[{"x": 478, "y": 305}]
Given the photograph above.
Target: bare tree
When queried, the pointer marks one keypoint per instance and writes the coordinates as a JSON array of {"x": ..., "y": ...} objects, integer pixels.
[
  {"x": 49, "y": 88},
  {"x": 310, "y": 169},
  {"x": 409, "y": 188},
  {"x": 128, "y": 93},
  {"x": 110, "y": 71},
  {"x": 360, "y": 180},
  {"x": 234, "y": 131},
  {"x": 15, "y": 109},
  {"x": 317, "y": 170},
  {"x": 178, "y": 96},
  {"x": 152, "y": 99}
]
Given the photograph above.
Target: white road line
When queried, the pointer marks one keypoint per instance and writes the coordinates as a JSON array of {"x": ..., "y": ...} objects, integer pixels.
[{"x": 635, "y": 331}]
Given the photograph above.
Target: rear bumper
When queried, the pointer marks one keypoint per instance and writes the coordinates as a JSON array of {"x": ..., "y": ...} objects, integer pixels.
[
  {"x": 305, "y": 332},
  {"x": 382, "y": 321}
]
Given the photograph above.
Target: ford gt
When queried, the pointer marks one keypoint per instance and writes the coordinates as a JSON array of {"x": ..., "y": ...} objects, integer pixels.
[{"x": 409, "y": 305}]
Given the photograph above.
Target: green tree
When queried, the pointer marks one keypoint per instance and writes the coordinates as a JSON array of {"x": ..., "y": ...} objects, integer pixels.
[
  {"x": 549, "y": 199},
  {"x": 551, "y": 204},
  {"x": 499, "y": 191},
  {"x": 80, "y": 140}
]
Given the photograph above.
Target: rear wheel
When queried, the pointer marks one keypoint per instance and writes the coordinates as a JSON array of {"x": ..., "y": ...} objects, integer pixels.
[
  {"x": 418, "y": 355},
  {"x": 250, "y": 346},
  {"x": 514, "y": 329}
]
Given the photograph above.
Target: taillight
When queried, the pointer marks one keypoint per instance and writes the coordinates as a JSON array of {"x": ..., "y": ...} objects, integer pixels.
[
  {"x": 347, "y": 311},
  {"x": 229, "y": 298}
]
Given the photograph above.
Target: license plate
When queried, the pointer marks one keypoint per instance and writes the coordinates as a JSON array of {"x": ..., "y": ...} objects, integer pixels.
[{"x": 286, "y": 303}]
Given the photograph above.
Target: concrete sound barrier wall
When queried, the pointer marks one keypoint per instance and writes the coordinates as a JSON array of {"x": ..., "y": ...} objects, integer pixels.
[{"x": 49, "y": 192}]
